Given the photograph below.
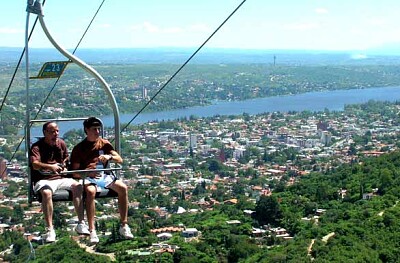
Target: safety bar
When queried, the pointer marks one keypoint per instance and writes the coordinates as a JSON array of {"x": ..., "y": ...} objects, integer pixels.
[{"x": 119, "y": 168}]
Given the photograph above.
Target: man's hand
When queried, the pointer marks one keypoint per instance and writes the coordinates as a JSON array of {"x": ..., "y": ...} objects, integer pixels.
[
  {"x": 95, "y": 175},
  {"x": 55, "y": 168},
  {"x": 105, "y": 158}
]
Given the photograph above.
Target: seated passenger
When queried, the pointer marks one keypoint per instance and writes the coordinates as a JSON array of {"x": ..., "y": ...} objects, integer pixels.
[
  {"x": 86, "y": 155},
  {"x": 48, "y": 157}
]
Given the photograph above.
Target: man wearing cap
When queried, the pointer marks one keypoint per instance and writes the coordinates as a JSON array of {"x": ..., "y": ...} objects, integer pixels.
[
  {"x": 86, "y": 155},
  {"x": 47, "y": 159}
]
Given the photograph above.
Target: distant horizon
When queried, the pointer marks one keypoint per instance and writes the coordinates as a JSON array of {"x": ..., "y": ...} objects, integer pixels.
[
  {"x": 192, "y": 49},
  {"x": 215, "y": 56}
]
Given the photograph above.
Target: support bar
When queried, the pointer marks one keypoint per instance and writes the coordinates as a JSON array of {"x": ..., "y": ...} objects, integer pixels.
[{"x": 91, "y": 71}]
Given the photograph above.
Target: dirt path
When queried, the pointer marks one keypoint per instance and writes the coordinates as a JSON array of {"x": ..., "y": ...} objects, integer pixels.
[
  {"x": 310, "y": 248},
  {"x": 90, "y": 249}
]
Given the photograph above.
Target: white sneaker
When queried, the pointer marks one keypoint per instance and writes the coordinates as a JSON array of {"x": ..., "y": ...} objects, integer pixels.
[
  {"x": 82, "y": 229},
  {"x": 125, "y": 232},
  {"x": 50, "y": 235},
  {"x": 93, "y": 237}
]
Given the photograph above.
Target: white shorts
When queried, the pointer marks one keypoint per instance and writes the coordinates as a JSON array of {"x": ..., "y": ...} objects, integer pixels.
[
  {"x": 103, "y": 181},
  {"x": 64, "y": 183}
]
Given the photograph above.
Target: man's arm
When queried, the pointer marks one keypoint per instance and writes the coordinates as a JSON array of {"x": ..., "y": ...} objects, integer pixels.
[
  {"x": 115, "y": 157},
  {"x": 112, "y": 156},
  {"x": 55, "y": 168},
  {"x": 75, "y": 166}
]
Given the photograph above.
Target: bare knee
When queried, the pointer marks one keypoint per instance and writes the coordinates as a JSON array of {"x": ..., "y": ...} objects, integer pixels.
[
  {"x": 46, "y": 194},
  {"x": 76, "y": 189},
  {"x": 120, "y": 188},
  {"x": 90, "y": 191},
  {"x": 125, "y": 189}
]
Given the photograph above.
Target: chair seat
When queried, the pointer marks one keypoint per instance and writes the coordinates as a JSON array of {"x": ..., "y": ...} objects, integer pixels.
[{"x": 66, "y": 195}]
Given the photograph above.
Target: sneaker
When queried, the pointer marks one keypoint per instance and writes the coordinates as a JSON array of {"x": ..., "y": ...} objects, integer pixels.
[
  {"x": 82, "y": 229},
  {"x": 93, "y": 237},
  {"x": 50, "y": 236},
  {"x": 125, "y": 232}
]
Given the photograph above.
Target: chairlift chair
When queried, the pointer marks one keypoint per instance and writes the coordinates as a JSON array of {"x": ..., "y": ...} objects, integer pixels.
[
  {"x": 54, "y": 70},
  {"x": 66, "y": 195}
]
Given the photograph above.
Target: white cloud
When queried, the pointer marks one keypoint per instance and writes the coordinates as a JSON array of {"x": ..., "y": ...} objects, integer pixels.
[
  {"x": 377, "y": 21},
  {"x": 173, "y": 30},
  {"x": 199, "y": 28},
  {"x": 321, "y": 10},
  {"x": 152, "y": 28},
  {"x": 7, "y": 30},
  {"x": 302, "y": 26},
  {"x": 145, "y": 26},
  {"x": 149, "y": 27},
  {"x": 105, "y": 26}
]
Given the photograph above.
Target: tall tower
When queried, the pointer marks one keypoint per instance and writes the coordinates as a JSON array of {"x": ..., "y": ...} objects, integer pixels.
[
  {"x": 3, "y": 169},
  {"x": 222, "y": 154},
  {"x": 193, "y": 141},
  {"x": 144, "y": 93}
]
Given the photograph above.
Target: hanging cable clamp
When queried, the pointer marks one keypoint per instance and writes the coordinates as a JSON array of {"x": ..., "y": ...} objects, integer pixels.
[{"x": 35, "y": 8}]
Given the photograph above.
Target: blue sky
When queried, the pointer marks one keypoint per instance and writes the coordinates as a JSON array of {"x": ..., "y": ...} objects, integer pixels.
[{"x": 258, "y": 24}]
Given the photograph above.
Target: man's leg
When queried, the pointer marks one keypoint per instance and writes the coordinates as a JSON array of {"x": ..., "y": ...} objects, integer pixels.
[
  {"x": 47, "y": 206},
  {"x": 90, "y": 205},
  {"x": 122, "y": 191},
  {"x": 91, "y": 211},
  {"x": 77, "y": 197},
  {"x": 77, "y": 200}
]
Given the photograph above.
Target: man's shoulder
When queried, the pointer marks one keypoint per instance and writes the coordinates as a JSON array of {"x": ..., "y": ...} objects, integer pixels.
[
  {"x": 79, "y": 145},
  {"x": 39, "y": 142},
  {"x": 61, "y": 141},
  {"x": 105, "y": 141}
]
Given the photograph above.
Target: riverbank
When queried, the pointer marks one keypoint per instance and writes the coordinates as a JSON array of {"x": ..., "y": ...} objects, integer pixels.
[{"x": 312, "y": 101}]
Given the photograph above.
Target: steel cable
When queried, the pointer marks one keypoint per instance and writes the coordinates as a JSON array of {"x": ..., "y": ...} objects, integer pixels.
[{"x": 183, "y": 65}]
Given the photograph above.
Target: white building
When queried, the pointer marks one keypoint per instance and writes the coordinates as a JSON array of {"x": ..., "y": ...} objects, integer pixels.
[{"x": 193, "y": 141}]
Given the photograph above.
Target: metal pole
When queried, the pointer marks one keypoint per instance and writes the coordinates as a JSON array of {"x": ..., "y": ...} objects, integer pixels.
[
  {"x": 27, "y": 114},
  {"x": 95, "y": 74}
]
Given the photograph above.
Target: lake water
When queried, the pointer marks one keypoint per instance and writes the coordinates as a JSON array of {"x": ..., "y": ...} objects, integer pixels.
[{"x": 312, "y": 101}]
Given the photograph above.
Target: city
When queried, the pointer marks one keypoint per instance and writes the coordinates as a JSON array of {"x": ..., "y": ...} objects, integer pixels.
[{"x": 197, "y": 165}]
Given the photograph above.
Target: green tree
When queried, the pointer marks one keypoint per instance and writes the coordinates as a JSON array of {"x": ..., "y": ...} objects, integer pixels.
[
  {"x": 268, "y": 211},
  {"x": 67, "y": 250},
  {"x": 12, "y": 190}
]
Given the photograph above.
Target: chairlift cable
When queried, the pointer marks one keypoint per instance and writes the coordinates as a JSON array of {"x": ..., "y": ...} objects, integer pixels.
[
  {"x": 58, "y": 78},
  {"x": 165, "y": 84},
  {"x": 87, "y": 28},
  {"x": 183, "y": 65},
  {"x": 18, "y": 64}
]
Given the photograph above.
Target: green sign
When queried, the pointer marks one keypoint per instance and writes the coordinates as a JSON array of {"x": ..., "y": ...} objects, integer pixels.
[{"x": 52, "y": 70}]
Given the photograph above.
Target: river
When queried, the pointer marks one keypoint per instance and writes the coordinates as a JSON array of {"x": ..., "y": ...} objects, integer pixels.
[{"x": 312, "y": 101}]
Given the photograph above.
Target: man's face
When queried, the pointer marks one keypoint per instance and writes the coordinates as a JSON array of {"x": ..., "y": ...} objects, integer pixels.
[
  {"x": 51, "y": 133},
  {"x": 93, "y": 133}
]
